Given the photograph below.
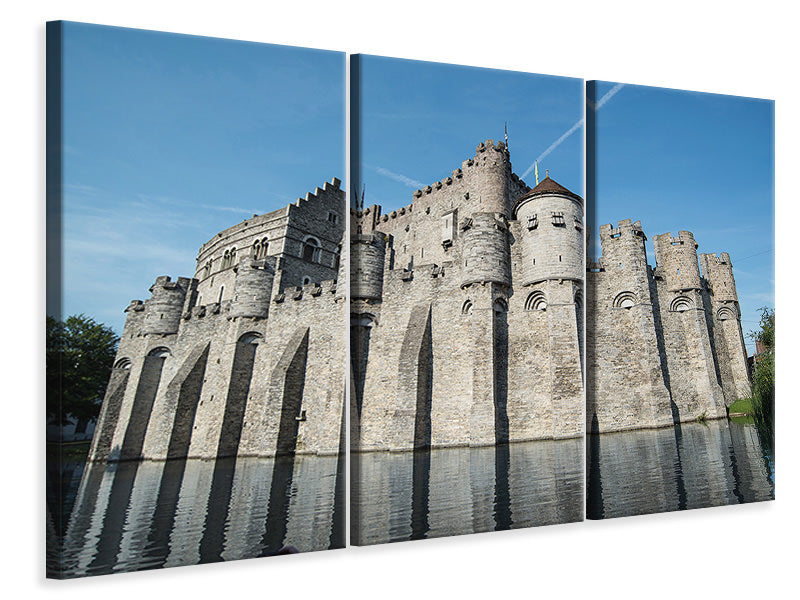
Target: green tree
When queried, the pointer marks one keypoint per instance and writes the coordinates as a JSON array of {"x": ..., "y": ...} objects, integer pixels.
[
  {"x": 80, "y": 355},
  {"x": 764, "y": 373}
]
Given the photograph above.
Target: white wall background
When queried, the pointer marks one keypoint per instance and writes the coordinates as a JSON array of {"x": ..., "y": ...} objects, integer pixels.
[{"x": 735, "y": 47}]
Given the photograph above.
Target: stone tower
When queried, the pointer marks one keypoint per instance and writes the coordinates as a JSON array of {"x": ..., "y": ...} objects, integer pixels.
[
  {"x": 726, "y": 324},
  {"x": 683, "y": 313},
  {"x": 550, "y": 224}
]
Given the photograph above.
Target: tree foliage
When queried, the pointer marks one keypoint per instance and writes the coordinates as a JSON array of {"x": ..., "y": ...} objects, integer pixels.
[
  {"x": 764, "y": 373},
  {"x": 80, "y": 355}
]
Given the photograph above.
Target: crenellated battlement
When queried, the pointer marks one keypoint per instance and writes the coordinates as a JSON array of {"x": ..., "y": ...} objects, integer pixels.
[
  {"x": 499, "y": 155},
  {"x": 307, "y": 291},
  {"x": 624, "y": 227},
  {"x": 718, "y": 273},
  {"x": 397, "y": 213},
  {"x": 685, "y": 238}
]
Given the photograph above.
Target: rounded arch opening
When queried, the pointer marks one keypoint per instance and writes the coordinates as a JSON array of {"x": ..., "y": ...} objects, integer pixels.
[
  {"x": 625, "y": 300},
  {"x": 466, "y": 308},
  {"x": 310, "y": 250},
  {"x": 681, "y": 304},
  {"x": 536, "y": 301},
  {"x": 251, "y": 337}
]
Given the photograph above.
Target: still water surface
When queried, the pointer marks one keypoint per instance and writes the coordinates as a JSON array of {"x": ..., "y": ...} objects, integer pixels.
[
  {"x": 135, "y": 516},
  {"x": 453, "y": 491},
  {"x": 689, "y": 466}
]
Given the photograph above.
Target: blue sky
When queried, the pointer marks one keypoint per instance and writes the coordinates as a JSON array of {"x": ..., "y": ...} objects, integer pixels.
[
  {"x": 420, "y": 120},
  {"x": 169, "y": 138},
  {"x": 680, "y": 160}
]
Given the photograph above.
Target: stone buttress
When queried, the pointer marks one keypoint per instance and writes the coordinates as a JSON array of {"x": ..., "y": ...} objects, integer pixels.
[{"x": 247, "y": 358}]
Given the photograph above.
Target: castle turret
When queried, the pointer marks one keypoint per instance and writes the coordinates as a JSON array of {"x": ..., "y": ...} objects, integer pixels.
[
  {"x": 676, "y": 259},
  {"x": 551, "y": 221},
  {"x": 676, "y": 264},
  {"x": 620, "y": 315},
  {"x": 252, "y": 289},
  {"x": 164, "y": 309},
  {"x": 368, "y": 252},
  {"x": 719, "y": 275},
  {"x": 625, "y": 260},
  {"x": 492, "y": 187},
  {"x": 485, "y": 250},
  {"x": 726, "y": 323}
]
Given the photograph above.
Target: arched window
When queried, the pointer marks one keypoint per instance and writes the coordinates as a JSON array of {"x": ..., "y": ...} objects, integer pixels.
[
  {"x": 536, "y": 301},
  {"x": 725, "y": 313},
  {"x": 251, "y": 337},
  {"x": 306, "y": 280},
  {"x": 123, "y": 363},
  {"x": 207, "y": 268},
  {"x": 625, "y": 300},
  {"x": 160, "y": 352},
  {"x": 229, "y": 257},
  {"x": 466, "y": 309},
  {"x": 310, "y": 250},
  {"x": 500, "y": 306},
  {"x": 260, "y": 248}
]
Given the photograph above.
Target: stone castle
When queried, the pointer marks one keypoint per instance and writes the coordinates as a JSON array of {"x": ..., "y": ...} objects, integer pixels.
[
  {"x": 466, "y": 329},
  {"x": 247, "y": 357},
  {"x": 664, "y": 344},
  {"x": 467, "y": 312}
]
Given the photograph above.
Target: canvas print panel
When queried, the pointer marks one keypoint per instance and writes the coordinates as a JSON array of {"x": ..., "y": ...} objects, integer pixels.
[
  {"x": 466, "y": 307},
  {"x": 679, "y": 328},
  {"x": 220, "y": 431}
]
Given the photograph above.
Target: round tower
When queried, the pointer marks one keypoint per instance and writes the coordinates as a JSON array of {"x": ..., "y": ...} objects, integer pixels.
[
  {"x": 485, "y": 250},
  {"x": 367, "y": 253},
  {"x": 719, "y": 273},
  {"x": 676, "y": 260},
  {"x": 551, "y": 222},
  {"x": 488, "y": 176},
  {"x": 162, "y": 313},
  {"x": 252, "y": 289}
]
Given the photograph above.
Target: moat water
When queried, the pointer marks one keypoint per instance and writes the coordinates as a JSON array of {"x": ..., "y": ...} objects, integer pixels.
[
  {"x": 677, "y": 468},
  {"x": 453, "y": 491},
  {"x": 136, "y": 516}
]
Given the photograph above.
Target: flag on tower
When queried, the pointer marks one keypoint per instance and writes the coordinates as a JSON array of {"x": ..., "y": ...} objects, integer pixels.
[{"x": 536, "y": 167}]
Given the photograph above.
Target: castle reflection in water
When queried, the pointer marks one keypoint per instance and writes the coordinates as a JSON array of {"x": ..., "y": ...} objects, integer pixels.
[
  {"x": 143, "y": 515},
  {"x": 694, "y": 465}
]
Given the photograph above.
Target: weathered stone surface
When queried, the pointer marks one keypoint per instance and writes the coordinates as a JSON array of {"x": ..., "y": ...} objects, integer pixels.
[
  {"x": 664, "y": 345},
  {"x": 466, "y": 344},
  {"x": 195, "y": 370}
]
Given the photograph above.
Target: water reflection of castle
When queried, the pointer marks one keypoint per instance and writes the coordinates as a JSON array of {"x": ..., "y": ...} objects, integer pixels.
[
  {"x": 143, "y": 515},
  {"x": 689, "y": 466}
]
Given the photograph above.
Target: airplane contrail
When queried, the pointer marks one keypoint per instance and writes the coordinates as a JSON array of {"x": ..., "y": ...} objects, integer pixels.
[
  {"x": 412, "y": 183},
  {"x": 606, "y": 97}
]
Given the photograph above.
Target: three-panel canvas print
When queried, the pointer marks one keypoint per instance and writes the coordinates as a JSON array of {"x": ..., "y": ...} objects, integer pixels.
[{"x": 532, "y": 300}]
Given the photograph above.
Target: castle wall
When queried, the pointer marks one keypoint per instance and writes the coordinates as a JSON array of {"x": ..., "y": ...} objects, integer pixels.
[
  {"x": 657, "y": 350},
  {"x": 450, "y": 331},
  {"x": 320, "y": 214},
  {"x": 722, "y": 306},
  {"x": 206, "y": 380}
]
